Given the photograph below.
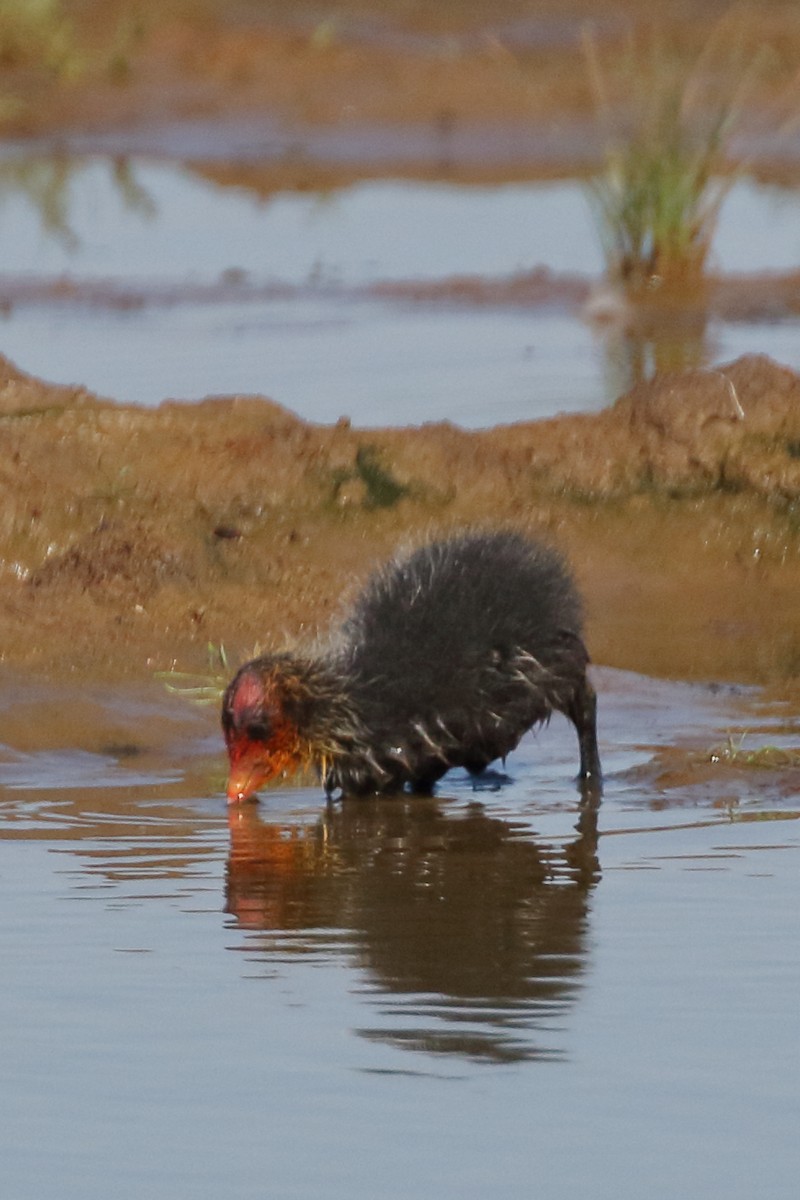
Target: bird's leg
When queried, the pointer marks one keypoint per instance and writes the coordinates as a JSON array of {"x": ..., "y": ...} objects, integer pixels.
[{"x": 582, "y": 711}]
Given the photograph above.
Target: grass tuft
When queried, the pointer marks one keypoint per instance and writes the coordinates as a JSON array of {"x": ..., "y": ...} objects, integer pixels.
[
  {"x": 667, "y": 126},
  {"x": 379, "y": 486},
  {"x": 37, "y": 32},
  {"x": 732, "y": 752},
  {"x": 199, "y": 687},
  {"x": 382, "y": 489}
]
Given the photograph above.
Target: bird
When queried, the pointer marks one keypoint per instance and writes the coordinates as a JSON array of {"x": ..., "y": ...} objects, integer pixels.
[{"x": 450, "y": 653}]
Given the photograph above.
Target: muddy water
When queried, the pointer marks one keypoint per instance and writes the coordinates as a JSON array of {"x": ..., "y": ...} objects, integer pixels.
[
  {"x": 392, "y": 998},
  {"x": 197, "y": 289}
]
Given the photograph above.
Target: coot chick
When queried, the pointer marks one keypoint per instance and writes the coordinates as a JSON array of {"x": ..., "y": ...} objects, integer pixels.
[{"x": 448, "y": 657}]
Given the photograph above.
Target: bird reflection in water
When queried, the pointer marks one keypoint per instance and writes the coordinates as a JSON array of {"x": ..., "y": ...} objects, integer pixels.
[{"x": 471, "y": 934}]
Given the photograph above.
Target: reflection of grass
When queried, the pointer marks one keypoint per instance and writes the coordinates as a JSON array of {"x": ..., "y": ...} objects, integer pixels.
[
  {"x": 732, "y": 752},
  {"x": 668, "y": 158},
  {"x": 135, "y": 197},
  {"x": 47, "y": 182}
]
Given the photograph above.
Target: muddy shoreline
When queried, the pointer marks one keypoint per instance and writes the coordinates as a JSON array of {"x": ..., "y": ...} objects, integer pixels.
[{"x": 133, "y": 538}]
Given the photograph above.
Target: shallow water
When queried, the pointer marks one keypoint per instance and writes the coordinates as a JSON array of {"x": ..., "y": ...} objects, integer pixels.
[
  {"x": 153, "y": 220},
  {"x": 390, "y": 998},
  {"x": 159, "y": 234}
]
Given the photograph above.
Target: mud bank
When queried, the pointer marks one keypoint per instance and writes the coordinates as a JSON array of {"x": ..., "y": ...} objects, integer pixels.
[
  {"x": 312, "y": 94},
  {"x": 757, "y": 296},
  {"x": 130, "y": 539}
]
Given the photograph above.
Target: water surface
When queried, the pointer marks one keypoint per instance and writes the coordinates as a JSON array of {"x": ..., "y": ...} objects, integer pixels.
[
  {"x": 297, "y": 321},
  {"x": 440, "y": 997}
]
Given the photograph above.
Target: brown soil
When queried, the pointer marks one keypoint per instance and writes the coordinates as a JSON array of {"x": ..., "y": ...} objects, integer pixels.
[{"x": 132, "y": 538}]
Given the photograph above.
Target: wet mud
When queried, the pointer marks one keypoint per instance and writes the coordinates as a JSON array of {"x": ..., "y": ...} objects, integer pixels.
[
  {"x": 132, "y": 538},
  {"x": 753, "y": 296}
]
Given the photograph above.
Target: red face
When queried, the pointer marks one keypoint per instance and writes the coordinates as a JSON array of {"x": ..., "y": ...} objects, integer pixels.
[{"x": 262, "y": 743}]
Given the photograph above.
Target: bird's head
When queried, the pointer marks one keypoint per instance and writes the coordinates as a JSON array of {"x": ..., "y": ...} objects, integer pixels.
[{"x": 260, "y": 721}]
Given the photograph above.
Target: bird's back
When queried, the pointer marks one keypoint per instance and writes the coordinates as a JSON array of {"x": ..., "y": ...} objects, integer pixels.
[{"x": 453, "y": 652}]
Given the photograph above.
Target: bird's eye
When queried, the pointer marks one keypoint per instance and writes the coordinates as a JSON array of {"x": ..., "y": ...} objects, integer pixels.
[{"x": 257, "y": 731}]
